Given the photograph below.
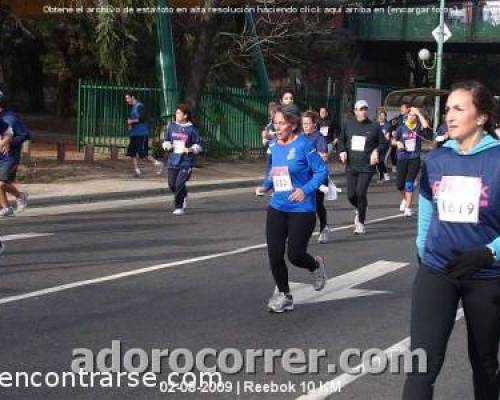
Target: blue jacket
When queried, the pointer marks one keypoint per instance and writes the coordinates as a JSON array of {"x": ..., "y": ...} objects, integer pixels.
[
  {"x": 318, "y": 140},
  {"x": 409, "y": 138},
  {"x": 187, "y": 134},
  {"x": 438, "y": 237},
  {"x": 20, "y": 132},
  {"x": 138, "y": 128},
  {"x": 306, "y": 169}
]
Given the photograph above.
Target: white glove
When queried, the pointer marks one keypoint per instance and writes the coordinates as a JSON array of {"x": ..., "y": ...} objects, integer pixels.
[
  {"x": 167, "y": 146},
  {"x": 196, "y": 148}
]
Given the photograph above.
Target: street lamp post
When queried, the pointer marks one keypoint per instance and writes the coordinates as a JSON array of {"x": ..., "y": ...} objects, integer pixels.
[{"x": 439, "y": 64}]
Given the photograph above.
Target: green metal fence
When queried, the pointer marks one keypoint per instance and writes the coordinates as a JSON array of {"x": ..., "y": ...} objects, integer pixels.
[{"x": 230, "y": 119}]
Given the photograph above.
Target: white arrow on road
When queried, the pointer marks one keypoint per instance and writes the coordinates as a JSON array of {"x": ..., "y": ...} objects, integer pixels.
[
  {"x": 20, "y": 236},
  {"x": 342, "y": 287}
]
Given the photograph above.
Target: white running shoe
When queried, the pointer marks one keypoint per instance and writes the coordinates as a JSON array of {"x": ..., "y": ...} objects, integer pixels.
[
  {"x": 324, "y": 235},
  {"x": 22, "y": 202},
  {"x": 280, "y": 302},
  {"x": 387, "y": 177},
  {"x": 178, "y": 211},
  {"x": 359, "y": 229},
  {"x": 408, "y": 212},
  {"x": 318, "y": 276},
  {"x": 159, "y": 167},
  {"x": 402, "y": 206},
  {"x": 6, "y": 212}
]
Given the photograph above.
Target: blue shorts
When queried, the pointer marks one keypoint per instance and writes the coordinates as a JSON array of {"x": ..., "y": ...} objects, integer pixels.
[
  {"x": 138, "y": 146},
  {"x": 8, "y": 170}
]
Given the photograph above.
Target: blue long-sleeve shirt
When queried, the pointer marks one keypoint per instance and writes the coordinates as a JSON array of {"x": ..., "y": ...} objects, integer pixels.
[
  {"x": 182, "y": 136},
  {"x": 299, "y": 164},
  {"x": 459, "y": 204},
  {"x": 20, "y": 134}
]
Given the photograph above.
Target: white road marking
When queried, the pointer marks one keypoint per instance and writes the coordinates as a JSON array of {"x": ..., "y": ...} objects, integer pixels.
[
  {"x": 145, "y": 270},
  {"x": 113, "y": 204},
  {"x": 330, "y": 388},
  {"x": 21, "y": 236},
  {"x": 341, "y": 287}
]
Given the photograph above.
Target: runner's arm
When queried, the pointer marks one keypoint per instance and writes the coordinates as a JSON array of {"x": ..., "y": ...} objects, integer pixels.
[{"x": 425, "y": 211}]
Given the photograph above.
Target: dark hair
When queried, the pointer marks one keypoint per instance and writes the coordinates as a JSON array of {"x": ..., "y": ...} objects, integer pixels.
[
  {"x": 406, "y": 103},
  {"x": 382, "y": 112},
  {"x": 311, "y": 114},
  {"x": 285, "y": 91},
  {"x": 483, "y": 101},
  {"x": 185, "y": 109},
  {"x": 291, "y": 115},
  {"x": 131, "y": 94}
]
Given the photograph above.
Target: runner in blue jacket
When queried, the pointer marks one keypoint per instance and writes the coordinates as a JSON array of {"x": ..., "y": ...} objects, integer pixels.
[
  {"x": 297, "y": 171},
  {"x": 458, "y": 245},
  {"x": 183, "y": 141}
]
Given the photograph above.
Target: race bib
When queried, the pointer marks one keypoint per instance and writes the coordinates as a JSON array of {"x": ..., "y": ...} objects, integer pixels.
[
  {"x": 179, "y": 146},
  {"x": 281, "y": 179},
  {"x": 458, "y": 199},
  {"x": 410, "y": 145},
  {"x": 358, "y": 143},
  {"x": 324, "y": 130}
]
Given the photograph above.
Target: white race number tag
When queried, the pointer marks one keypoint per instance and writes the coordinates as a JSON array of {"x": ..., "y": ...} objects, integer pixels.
[
  {"x": 179, "y": 146},
  {"x": 459, "y": 199},
  {"x": 281, "y": 179},
  {"x": 410, "y": 145},
  {"x": 358, "y": 143},
  {"x": 324, "y": 130}
]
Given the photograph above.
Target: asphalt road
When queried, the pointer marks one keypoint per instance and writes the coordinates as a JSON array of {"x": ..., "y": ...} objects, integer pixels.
[{"x": 139, "y": 275}]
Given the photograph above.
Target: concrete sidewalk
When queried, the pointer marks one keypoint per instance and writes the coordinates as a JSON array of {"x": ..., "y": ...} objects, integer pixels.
[{"x": 118, "y": 185}]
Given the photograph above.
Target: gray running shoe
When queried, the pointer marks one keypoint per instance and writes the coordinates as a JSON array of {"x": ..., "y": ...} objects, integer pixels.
[
  {"x": 318, "y": 276},
  {"x": 22, "y": 202},
  {"x": 6, "y": 212},
  {"x": 324, "y": 235},
  {"x": 280, "y": 302},
  {"x": 359, "y": 229}
]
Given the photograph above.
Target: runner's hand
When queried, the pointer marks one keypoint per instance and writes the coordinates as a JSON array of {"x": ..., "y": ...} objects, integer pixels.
[
  {"x": 466, "y": 263},
  {"x": 343, "y": 157},
  {"x": 167, "y": 146},
  {"x": 260, "y": 191},
  {"x": 374, "y": 157},
  {"x": 400, "y": 145},
  {"x": 4, "y": 147},
  {"x": 297, "y": 195}
]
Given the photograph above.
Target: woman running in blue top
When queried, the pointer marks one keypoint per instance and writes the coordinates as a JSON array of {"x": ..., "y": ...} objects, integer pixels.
[
  {"x": 297, "y": 171},
  {"x": 458, "y": 245}
]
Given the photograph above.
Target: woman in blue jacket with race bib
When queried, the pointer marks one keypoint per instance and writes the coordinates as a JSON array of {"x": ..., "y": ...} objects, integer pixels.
[
  {"x": 296, "y": 173},
  {"x": 458, "y": 245}
]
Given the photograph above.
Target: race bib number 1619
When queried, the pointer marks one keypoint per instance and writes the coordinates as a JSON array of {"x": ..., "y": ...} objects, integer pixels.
[{"x": 458, "y": 199}]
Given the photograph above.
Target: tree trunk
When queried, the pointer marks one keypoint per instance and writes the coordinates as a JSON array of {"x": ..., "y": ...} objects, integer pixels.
[{"x": 200, "y": 64}]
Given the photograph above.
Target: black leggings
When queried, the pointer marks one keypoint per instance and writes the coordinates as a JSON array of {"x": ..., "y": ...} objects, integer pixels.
[
  {"x": 381, "y": 168},
  {"x": 321, "y": 210},
  {"x": 434, "y": 306},
  {"x": 297, "y": 227},
  {"x": 407, "y": 172},
  {"x": 357, "y": 189},
  {"x": 177, "y": 179}
]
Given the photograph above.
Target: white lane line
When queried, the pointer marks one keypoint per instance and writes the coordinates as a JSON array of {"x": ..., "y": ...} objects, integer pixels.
[
  {"x": 21, "y": 236},
  {"x": 145, "y": 270},
  {"x": 112, "y": 204},
  {"x": 330, "y": 388}
]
